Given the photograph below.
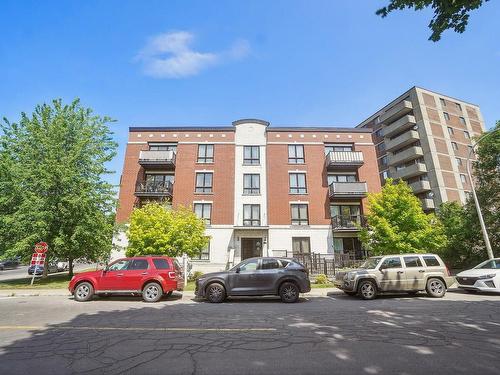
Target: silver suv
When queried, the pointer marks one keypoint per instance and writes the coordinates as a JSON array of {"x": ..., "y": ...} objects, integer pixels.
[{"x": 408, "y": 273}]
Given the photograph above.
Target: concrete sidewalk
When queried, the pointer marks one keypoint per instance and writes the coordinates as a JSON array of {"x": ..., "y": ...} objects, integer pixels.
[{"x": 315, "y": 292}]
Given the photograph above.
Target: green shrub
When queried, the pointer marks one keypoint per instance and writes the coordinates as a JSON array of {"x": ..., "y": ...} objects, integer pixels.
[
  {"x": 196, "y": 275},
  {"x": 322, "y": 279}
]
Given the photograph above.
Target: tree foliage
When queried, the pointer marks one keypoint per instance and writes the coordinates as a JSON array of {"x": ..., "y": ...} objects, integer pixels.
[
  {"x": 448, "y": 14},
  {"x": 52, "y": 164},
  {"x": 397, "y": 223},
  {"x": 157, "y": 229}
]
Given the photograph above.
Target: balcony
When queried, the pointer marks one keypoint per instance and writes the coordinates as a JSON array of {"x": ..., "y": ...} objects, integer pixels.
[
  {"x": 347, "y": 190},
  {"x": 155, "y": 190},
  {"x": 427, "y": 204},
  {"x": 344, "y": 159},
  {"x": 403, "y": 140},
  {"x": 348, "y": 223},
  {"x": 157, "y": 159},
  {"x": 410, "y": 171},
  {"x": 399, "y": 110},
  {"x": 404, "y": 123},
  {"x": 420, "y": 186},
  {"x": 411, "y": 153}
]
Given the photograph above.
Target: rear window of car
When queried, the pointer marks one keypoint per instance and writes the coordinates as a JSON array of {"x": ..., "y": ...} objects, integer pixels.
[
  {"x": 431, "y": 261},
  {"x": 138, "y": 264},
  {"x": 161, "y": 264},
  {"x": 412, "y": 262},
  {"x": 269, "y": 264}
]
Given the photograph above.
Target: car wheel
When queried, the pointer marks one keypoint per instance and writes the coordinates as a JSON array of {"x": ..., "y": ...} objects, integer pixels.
[
  {"x": 216, "y": 293},
  {"x": 350, "y": 293},
  {"x": 84, "y": 292},
  {"x": 289, "y": 292},
  {"x": 367, "y": 290},
  {"x": 436, "y": 288},
  {"x": 152, "y": 292}
]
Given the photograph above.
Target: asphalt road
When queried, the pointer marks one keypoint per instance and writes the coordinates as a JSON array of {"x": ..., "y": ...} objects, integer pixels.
[
  {"x": 459, "y": 334},
  {"x": 21, "y": 272}
]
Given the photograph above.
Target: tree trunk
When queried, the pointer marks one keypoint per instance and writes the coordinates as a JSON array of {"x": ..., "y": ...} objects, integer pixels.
[{"x": 70, "y": 267}]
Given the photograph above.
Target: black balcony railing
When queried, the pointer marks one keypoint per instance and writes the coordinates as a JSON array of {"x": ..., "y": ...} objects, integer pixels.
[
  {"x": 154, "y": 189},
  {"x": 348, "y": 222}
]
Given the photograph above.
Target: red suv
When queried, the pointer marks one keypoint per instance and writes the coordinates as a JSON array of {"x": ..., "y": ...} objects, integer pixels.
[{"x": 152, "y": 276}]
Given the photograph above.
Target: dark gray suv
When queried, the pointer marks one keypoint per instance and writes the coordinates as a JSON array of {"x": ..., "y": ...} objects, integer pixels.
[{"x": 256, "y": 277}]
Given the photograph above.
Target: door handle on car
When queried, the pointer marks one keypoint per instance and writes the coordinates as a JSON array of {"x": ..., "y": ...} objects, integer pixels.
[
  {"x": 144, "y": 273},
  {"x": 119, "y": 274},
  {"x": 422, "y": 271},
  {"x": 400, "y": 271}
]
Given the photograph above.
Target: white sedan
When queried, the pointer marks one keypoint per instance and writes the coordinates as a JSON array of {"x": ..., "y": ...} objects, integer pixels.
[{"x": 484, "y": 277}]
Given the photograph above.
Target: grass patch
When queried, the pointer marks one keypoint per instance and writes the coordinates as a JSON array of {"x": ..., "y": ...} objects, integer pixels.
[
  {"x": 319, "y": 286},
  {"x": 52, "y": 281}
]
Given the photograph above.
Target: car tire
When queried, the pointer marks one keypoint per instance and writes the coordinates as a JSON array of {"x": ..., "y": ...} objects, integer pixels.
[
  {"x": 83, "y": 292},
  {"x": 367, "y": 290},
  {"x": 152, "y": 292},
  {"x": 350, "y": 293},
  {"x": 289, "y": 292},
  {"x": 168, "y": 294},
  {"x": 215, "y": 293},
  {"x": 436, "y": 288}
]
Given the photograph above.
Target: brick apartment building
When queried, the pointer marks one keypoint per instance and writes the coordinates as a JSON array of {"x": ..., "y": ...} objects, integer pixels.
[
  {"x": 424, "y": 138},
  {"x": 262, "y": 190}
]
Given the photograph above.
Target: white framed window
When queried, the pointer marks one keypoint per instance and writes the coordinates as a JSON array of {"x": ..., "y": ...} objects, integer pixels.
[
  {"x": 443, "y": 102},
  {"x": 446, "y": 116},
  {"x": 462, "y": 120},
  {"x": 300, "y": 214},
  {"x": 251, "y": 155},
  {"x": 454, "y": 145},
  {"x": 450, "y": 131},
  {"x": 297, "y": 183},
  {"x": 251, "y": 184},
  {"x": 204, "y": 182},
  {"x": 466, "y": 134},
  {"x": 463, "y": 178},
  {"x": 204, "y": 211},
  {"x": 251, "y": 215},
  {"x": 205, "y": 153},
  {"x": 296, "y": 154}
]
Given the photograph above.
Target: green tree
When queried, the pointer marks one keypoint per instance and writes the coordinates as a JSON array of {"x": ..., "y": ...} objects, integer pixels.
[
  {"x": 397, "y": 223},
  {"x": 157, "y": 229},
  {"x": 448, "y": 14},
  {"x": 52, "y": 165}
]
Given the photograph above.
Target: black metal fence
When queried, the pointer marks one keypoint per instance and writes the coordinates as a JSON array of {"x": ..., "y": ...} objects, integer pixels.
[{"x": 327, "y": 264}]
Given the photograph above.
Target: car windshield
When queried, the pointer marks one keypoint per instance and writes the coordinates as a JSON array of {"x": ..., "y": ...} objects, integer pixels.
[
  {"x": 370, "y": 263},
  {"x": 492, "y": 264}
]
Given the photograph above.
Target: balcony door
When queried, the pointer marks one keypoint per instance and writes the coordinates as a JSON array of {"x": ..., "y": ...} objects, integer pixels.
[{"x": 346, "y": 215}]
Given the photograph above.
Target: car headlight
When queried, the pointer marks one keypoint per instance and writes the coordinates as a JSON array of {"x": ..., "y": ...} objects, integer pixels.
[{"x": 490, "y": 276}]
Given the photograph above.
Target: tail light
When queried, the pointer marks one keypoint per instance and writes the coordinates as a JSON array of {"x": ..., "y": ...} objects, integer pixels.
[{"x": 172, "y": 275}]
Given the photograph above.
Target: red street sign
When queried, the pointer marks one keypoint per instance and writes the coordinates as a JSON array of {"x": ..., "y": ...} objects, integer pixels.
[
  {"x": 38, "y": 259},
  {"x": 41, "y": 247}
]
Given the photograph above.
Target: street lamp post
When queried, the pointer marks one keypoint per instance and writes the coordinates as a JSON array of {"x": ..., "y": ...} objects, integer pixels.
[{"x": 476, "y": 201}]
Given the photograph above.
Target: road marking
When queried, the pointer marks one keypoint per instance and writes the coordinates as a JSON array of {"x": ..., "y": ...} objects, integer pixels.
[{"x": 162, "y": 329}]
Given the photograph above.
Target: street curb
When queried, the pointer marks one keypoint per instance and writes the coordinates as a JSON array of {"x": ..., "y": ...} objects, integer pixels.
[{"x": 320, "y": 292}]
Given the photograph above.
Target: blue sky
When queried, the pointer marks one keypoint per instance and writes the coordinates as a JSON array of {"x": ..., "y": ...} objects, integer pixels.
[{"x": 212, "y": 62}]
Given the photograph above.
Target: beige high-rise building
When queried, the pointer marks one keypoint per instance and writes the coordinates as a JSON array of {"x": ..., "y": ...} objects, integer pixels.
[{"x": 424, "y": 138}]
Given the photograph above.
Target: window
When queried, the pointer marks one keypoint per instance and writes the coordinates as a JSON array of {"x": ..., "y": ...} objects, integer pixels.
[
  {"x": 250, "y": 265},
  {"x": 158, "y": 182},
  {"x": 251, "y": 184},
  {"x": 205, "y": 153},
  {"x": 138, "y": 264},
  {"x": 381, "y": 147},
  {"x": 299, "y": 214},
  {"x": 204, "y": 182},
  {"x": 459, "y": 107},
  {"x": 463, "y": 178},
  {"x": 470, "y": 149},
  {"x": 462, "y": 120},
  {"x": 454, "y": 146},
  {"x": 377, "y": 120},
  {"x": 156, "y": 147},
  {"x": 251, "y": 155},
  {"x": 443, "y": 102},
  {"x": 341, "y": 178},
  {"x": 204, "y": 211},
  {"x": 205, "y": 253},
  {"x": 161, "y": 264},
  {"x": 251, "y": 215},
  {"x": 446, "y": 116},
  {"x": 430, "y": 261},
  {"x": 466, "y": 134},
  {"x": 459, "y": 161},
  {"x": 337, "y": 148},
  {"x": 412, "y": 262},
  {"x": 383, "y": 160},
  {"x": 270, "y": 264},
  {"x": 450, "y": 131},
  {"x": 301, "y": 245},
  {"x": 296, "y": 154},
  {"x": 298, "y": 183},
  {"x": 119, "y": 265},
  {"x": 378, "y": 132},
  {"x": 391, "y": 263},
  {"x": 348, "y": 211}
]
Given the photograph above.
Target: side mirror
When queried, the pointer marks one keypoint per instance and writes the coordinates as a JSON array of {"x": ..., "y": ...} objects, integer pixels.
[{"x": 238, "y": 270}]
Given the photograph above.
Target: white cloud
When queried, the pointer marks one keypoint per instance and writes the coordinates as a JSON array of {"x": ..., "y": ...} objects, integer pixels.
[{"x": 169, "y": 55}]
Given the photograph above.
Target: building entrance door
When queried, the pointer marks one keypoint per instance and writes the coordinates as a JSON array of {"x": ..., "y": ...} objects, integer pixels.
[{"x": 251, "y": 247}]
